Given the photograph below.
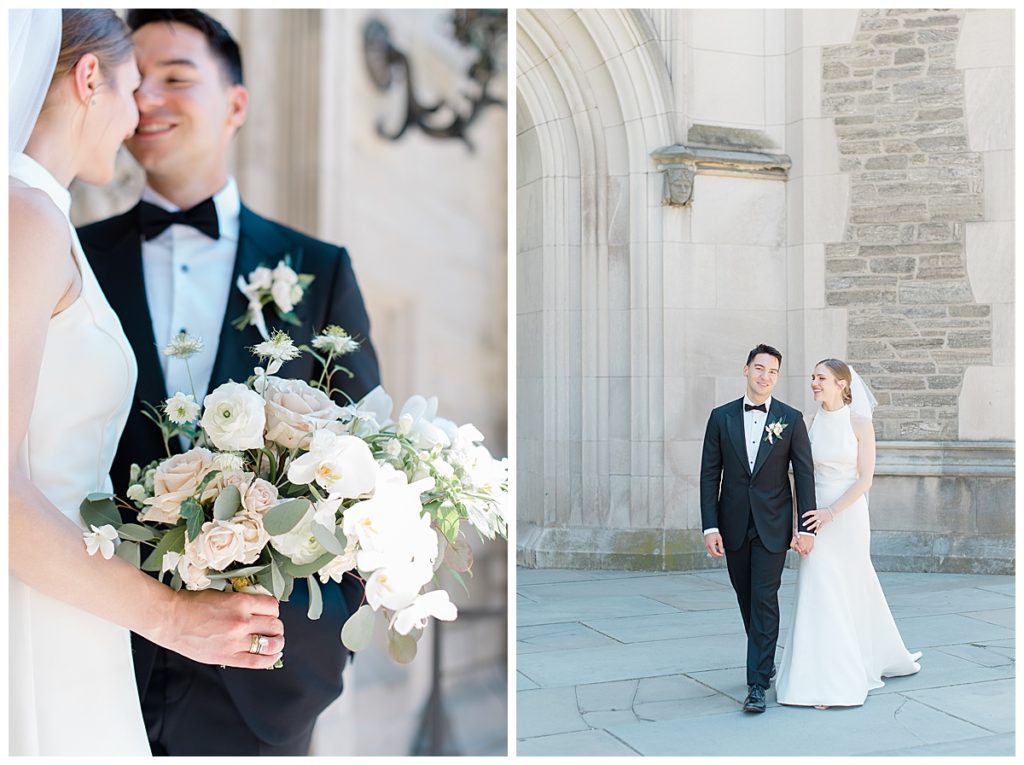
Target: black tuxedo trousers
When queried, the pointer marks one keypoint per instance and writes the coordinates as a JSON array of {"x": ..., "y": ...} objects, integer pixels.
[
  {"x": 753, "y": 510},
  {"x": 190, "y": 708}
]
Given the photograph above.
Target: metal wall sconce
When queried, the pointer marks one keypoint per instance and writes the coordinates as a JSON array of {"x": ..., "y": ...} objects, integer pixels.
[{"x": 483, "y": 30}]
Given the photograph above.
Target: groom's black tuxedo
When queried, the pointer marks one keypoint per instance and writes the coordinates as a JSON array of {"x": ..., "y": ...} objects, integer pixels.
[
  {"x": 192, "y": 708},
  {"x": 753, "y": 511}
]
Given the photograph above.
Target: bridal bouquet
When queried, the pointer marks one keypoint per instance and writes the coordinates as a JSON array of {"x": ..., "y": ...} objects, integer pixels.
[{"x": 280, "y": 482}]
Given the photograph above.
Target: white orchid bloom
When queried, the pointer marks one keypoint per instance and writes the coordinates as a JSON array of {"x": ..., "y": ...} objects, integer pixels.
[
  {"x": 371, "y": 413},
  {"x": 396, "y": 587},
  {"x": 101, "y": 540},
  {"x": 414, "y": 616},
  {"x": 341, "y": 464},
  {"x": 417, "y": 420}
]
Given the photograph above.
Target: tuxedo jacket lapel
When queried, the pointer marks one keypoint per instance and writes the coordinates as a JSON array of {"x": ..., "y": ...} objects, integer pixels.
[
  {"x": 125, "y": 289},
  {"x": 734, "y": 425},
  {"x": 259, "y": 244}
]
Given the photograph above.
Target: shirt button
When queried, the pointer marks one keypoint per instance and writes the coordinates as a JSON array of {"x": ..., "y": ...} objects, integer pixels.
[
  {"x": 184, "y": 268},
  {"x": 182, "y": 331}
]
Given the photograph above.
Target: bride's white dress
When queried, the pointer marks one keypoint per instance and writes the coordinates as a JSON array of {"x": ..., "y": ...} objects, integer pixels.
[
  {"x": 842, "y": 638},
  {"x": 72, "y": 684}
]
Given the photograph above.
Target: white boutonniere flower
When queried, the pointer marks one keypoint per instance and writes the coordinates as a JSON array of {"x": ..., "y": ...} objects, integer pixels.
[
  {"x": 774, "y": 430},
  {"x": 281, "y": 286}
]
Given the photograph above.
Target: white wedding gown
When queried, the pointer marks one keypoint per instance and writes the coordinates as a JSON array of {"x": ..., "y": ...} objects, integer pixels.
[
  {"x": 72, "y": 683},
  {"x": 842, "y": 638}
]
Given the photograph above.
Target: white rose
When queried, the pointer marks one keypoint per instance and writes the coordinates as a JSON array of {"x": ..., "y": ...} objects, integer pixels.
[
  {"x": 282, "y": 294},
  {"x": 295, "y": 409},
  {"x": 234, "y": 418},
  {"x": 193, "y": 571},
  {"x": 254, "y": 535},
  {"x": 219, "y": 544},
  {"x": 299, "y": 544},
  {"x": 261, "y": 279},
  {"x": 175, "y": 480},
  {"x": 285, "y": 274},
  {"x": 259, "y": 497}
]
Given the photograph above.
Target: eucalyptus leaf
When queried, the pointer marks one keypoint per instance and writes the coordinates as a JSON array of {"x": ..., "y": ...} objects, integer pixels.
[
  {"x": 358, "y": 630},
  {"x": 134, "y": 532},
  {"x": 326, "y": 537},
  {"x": 289, "y": 585},
  {"x": 129, "y": 551},
  {"x": 100, "y": 512},
  {"x": 227, "y": 503},
  {"x": 402, "y": 648},
  {"x": 176, "y": 581},
  {"x": 316, "y": 600},
  {"x": 276, "y": 580},
  {"x": 306, "y": 569},
  {"x": 248, "y": 571},
  {"x": 96, "y": 496},
  {"x": 172, "y": 541},
  {"x": 282, "y": 518}
]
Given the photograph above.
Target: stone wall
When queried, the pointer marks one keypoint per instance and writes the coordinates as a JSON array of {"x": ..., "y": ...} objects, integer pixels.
[{"x": 914, "y": 323}]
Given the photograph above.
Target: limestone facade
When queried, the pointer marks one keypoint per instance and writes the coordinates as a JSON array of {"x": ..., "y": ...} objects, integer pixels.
[{"x": 654, "y": 251}]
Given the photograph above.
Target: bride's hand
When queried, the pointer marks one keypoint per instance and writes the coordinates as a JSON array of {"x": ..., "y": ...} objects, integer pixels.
[
  {"x": 215, "y": 627},
  {"x": 816, "y": 519}
]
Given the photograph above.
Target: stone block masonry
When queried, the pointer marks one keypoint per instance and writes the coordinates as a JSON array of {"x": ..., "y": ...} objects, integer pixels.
[{"x": 901, "y": 270}]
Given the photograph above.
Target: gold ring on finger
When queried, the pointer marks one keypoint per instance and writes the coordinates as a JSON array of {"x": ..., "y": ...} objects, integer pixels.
[{"x": 258, "y": 643}]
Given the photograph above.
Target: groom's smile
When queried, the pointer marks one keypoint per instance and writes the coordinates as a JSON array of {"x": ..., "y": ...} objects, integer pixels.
[{"x": 190, "y": 106}]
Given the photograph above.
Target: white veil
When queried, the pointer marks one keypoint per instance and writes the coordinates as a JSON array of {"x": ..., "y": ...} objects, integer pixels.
[
  {"x": 864, "y": 401},
  {"x": 33, "y": 41}
]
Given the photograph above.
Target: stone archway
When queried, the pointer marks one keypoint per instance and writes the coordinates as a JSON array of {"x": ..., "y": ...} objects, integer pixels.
[{"x": 594, "y": 99}]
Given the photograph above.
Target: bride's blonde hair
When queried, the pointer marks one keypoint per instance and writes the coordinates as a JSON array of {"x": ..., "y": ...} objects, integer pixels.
[
  {"x": 842, "y": 372},
  {"x": 99, "y": 31}
]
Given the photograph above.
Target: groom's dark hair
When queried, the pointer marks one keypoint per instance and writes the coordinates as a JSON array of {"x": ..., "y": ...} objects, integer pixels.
[
  {"x": 762, "y": 348},
  {"x": 223, "y": 45}
]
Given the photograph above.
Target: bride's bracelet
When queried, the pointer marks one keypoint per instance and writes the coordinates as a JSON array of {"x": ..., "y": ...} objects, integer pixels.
[{"x": 831, "y": 514}]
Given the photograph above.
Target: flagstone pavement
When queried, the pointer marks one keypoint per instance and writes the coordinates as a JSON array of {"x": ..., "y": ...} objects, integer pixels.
[{"x": 651, "y": 663}]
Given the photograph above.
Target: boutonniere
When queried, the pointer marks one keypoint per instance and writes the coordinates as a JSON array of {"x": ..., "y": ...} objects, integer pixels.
[
  {"x": 774, "y": 430},
  {"x": 280, "y": 286}
]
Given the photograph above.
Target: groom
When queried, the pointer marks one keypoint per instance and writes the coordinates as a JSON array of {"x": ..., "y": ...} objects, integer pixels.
[
  {"x": 746, "y": 505},
  {"x": 166, "y": 271}
]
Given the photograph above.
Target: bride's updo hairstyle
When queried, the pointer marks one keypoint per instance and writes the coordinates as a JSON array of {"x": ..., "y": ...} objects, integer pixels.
[
  {"x": 842, "y": 372},
  {"x": 98, "y": 31}
]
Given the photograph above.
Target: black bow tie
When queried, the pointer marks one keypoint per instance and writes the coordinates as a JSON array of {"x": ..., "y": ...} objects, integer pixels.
[
  {"x": 154, "y": 220},
  {"x": 761, "y": 407}
]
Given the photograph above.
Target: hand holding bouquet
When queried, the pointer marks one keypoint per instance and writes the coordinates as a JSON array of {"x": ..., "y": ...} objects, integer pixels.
[{"x": 281, "y": 482}]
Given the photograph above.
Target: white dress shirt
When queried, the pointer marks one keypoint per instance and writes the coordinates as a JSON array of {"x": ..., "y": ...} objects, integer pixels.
[
  {"x": 753, "y": 430},
  {"x": 188, "y": 282}
]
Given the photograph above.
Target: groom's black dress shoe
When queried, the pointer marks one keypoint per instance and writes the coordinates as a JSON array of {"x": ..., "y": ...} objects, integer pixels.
[{"x": 755, "y": 700}]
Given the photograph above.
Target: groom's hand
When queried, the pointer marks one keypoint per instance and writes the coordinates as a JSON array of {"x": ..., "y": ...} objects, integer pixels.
[
  {"x": 806, "y": 543},
  {"x": 713, "y": 544}
]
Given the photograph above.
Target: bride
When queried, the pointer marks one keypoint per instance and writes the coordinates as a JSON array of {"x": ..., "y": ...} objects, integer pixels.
[
  {"x": 842, "y": 638},
  {"x": 72, "y": 374}
]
